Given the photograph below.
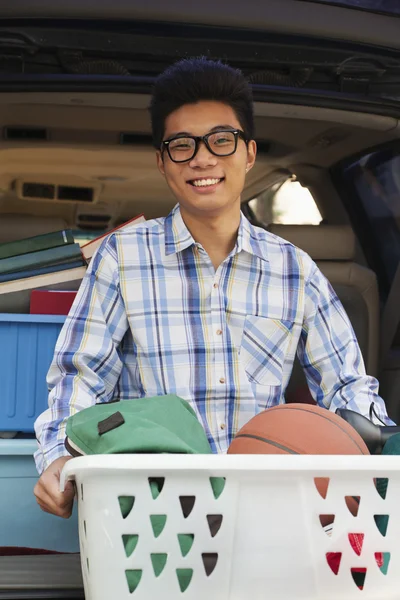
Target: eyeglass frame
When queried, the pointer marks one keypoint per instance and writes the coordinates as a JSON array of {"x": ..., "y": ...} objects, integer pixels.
[{"x": 238, "y": 133}]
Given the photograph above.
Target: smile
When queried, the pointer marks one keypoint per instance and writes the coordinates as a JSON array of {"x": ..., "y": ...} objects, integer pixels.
[{"x": 205, "y": 182}]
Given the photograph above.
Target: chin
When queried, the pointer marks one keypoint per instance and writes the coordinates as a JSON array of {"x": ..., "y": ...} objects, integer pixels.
[
  {"x": 206, "y": 205},
  {"x": 211, "y": 203}
]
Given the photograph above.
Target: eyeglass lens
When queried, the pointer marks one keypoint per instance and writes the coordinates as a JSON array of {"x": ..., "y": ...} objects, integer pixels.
[{"x": 221, "y": 143}]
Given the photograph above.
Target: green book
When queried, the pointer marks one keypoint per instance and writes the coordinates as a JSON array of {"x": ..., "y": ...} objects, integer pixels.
[
  {"x": 36, "y": 243},
  {"x": 42, "y": 258}
]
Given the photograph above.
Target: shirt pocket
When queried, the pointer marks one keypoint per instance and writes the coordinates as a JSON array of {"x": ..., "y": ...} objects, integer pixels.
[{"x": 264, "y": 347}]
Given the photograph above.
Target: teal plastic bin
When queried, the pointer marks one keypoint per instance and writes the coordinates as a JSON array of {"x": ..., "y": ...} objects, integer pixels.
[
  {"x": 27, "y": 345},
  {"x": 22, "y": 522}
]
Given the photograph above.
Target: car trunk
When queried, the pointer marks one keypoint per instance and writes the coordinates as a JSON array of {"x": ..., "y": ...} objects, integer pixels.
[{"x": 75, "y": 80}]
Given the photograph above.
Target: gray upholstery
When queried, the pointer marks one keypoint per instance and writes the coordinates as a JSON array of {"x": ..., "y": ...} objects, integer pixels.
[
  {"x": 333, "y": 249},
  {"x": 321, "y": 242}
]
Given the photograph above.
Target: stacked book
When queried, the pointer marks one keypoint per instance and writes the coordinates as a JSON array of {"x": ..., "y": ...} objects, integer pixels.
[
  {"x": 48, "y": 260},
  {"x": 39, "y": 255},
  {"x": 42, "y": 274}
]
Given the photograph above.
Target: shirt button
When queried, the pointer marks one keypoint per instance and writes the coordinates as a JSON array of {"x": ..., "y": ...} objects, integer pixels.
[
  {"x": 219, "y": 331},
  {"x": 215, "y": 285},
  {"x": 222, "y": 380},
  {"x": 222, "y": 426}
]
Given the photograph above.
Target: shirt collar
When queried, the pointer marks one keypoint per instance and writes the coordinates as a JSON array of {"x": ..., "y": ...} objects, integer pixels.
[
  {"x": 248, "y": 240},
  {"x": 178, "y": 237}
]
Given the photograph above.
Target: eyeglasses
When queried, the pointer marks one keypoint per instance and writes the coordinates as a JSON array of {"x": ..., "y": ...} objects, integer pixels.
[{"x": 220, "y": 143}]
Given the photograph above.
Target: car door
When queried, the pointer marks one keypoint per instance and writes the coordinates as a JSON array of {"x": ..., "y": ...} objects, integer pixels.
[{"x": 370, "y": 187}]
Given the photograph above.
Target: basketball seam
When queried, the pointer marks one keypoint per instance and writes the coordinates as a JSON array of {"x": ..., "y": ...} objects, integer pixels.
[
  {"x": 326, "y": 419},
  {"x": 261, "y": 439}
]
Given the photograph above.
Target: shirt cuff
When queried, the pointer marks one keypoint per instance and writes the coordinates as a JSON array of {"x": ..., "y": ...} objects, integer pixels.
[{"x": 44, "y": 458}]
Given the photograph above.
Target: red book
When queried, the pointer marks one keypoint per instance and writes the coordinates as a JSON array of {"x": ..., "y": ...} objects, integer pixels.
[
  {"x": 51, "y": 302},
  {"x": 89, "y": 249}
]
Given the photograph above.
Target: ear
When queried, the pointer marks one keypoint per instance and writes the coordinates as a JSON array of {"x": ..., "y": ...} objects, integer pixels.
[
  {"x": 251, "y": 155},
  {"x": 160, "y": 163}
]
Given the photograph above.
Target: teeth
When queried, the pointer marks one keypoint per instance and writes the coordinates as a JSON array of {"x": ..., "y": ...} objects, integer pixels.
[{"x": 204, "y": 182}]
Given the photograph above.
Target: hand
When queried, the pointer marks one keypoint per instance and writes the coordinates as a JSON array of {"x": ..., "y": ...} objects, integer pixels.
[{"x": 47, "y": 490}]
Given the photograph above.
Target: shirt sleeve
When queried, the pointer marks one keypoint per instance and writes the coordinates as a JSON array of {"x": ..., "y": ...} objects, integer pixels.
[
  {"x": 87, "y": 360},
  {"x": 331, "y": 357}
]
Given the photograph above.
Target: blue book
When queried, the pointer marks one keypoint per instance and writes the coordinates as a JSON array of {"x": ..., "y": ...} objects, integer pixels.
[
  {"x": 36, "y": 243},
  {"x": 42, "y": 258},
  {"x": 41, "y": 271}
]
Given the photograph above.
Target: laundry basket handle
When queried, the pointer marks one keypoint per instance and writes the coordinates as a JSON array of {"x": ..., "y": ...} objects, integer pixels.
[{"x": 68, "y": 473}]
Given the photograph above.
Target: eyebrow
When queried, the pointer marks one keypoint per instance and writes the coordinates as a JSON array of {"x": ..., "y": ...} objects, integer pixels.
[{"x": 187, "y": 133}]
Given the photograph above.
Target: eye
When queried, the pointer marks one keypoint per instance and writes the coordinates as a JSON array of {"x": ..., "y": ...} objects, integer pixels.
[
  {"x": 224, "y": 138},
  {"x": 181, "y": 144}
]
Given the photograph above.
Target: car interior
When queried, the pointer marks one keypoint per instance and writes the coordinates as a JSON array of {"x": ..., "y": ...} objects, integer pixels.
[
  {"x": 76, "y": 152},
  {"x": 86, "y": 162}
]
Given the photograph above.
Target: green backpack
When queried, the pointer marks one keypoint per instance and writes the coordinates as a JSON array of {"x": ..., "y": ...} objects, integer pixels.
[{"x": 161, "y": 424}]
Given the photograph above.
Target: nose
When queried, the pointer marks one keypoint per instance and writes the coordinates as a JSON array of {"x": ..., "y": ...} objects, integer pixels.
[{"x": 203, "y": 158}]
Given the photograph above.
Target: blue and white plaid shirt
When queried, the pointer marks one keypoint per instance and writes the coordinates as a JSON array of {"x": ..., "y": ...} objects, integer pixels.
[{"x": 153, "y": 317}]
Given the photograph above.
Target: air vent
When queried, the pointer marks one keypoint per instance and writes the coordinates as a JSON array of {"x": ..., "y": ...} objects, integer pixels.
[
  {"x": 75, "y": 194},
  {"x": 121, "y": 222},
  {"x": 32, "y": 134},
  {"x": 58, "y": 189},
  {"x": 38, "y": 190},
  {"x": 91, "y": 227},
  {"x": 94, "y": 218}
]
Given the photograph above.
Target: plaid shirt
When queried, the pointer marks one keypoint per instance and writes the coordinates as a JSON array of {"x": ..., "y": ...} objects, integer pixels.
[{"x": 153, "y": 317}]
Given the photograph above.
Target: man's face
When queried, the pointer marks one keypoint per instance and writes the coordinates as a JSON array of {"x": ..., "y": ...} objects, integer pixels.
[{"x": 186, "y": 180}]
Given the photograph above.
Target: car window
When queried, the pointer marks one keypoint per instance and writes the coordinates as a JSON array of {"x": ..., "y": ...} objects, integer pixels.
[
  {"x": 288, "y": 203},
  {"x": 375, "y": 179}
]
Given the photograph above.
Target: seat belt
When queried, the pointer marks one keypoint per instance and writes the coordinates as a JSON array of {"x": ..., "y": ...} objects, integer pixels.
[{"x": 390, "y": 318}]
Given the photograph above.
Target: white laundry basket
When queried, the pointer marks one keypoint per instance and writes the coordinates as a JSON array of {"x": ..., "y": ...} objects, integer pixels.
[{"x": 268, "y": 542}]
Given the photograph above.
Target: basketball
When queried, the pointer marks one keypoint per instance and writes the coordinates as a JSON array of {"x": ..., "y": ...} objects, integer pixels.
[
  {"x": 300, "y": 429},
  {"x": 297, "y": 429}
]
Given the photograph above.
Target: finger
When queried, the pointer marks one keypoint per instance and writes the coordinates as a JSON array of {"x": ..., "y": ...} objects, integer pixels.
[
  {"x": 55, "y": 501},
  {"x": 48, "y": 505},
  {"x": 53, "y": 509},
  {"x": 69, "y": 489},
  {"x": 44, "y": 508},
  {"x": 52, "y": 486},
  {"x": 41, "y": 495},
  {"x": 63, "y": 499},
  {"x": 43, "y": 492}
]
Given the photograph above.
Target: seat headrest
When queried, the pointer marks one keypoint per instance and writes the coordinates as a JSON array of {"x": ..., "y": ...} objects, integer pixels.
[
  {"x": 321, "y": 242},
  {"x": 15, "y": 226}
]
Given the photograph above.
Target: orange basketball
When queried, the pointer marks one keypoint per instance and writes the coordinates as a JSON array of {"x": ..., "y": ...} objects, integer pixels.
[{"x": 299, "y": 429}]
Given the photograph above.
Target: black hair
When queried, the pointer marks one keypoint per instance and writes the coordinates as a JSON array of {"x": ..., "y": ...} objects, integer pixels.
[{"x": 191, "y": 80}]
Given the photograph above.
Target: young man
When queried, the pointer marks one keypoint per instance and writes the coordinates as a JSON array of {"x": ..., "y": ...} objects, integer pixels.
[{"x": 200, "y": 303}]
